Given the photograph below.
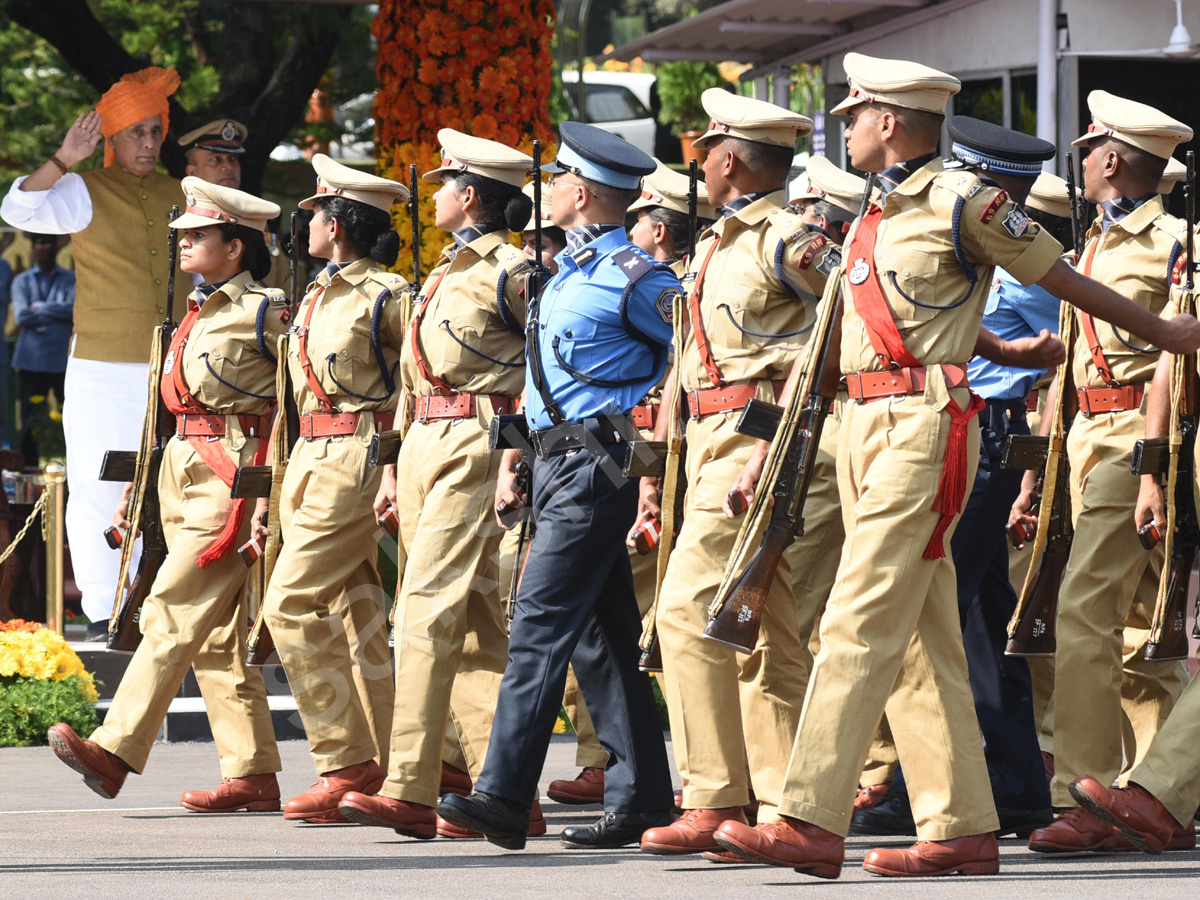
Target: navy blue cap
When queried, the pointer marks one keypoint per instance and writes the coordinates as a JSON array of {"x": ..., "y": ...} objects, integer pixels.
[
  {"x": 998, "y": 149},
  {"x": 599, "y": 155}
]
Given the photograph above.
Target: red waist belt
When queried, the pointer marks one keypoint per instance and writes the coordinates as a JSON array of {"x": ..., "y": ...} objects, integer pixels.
[
  {"x": 732, "y": 397},
  {"x": 205, "y": 425},
  {"x": 433, "y": 407},
  {"x": 323, "y": 425},
  {"x": 644, "y": 416},
  {"x": 864, "y": 386},
  {"x": 1031, "y": 402},
  {"x": 1095, "y": 400}
]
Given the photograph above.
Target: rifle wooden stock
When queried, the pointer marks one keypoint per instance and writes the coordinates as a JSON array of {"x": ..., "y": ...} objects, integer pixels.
[
  {"x": 385, "y": 448},
  {"x": 118, "y": 465},
  {"x": 651, "y": 658},
  {"x": 1025, "y": 451},
  {"x": 739, "y": 619},
  {"x": 1036, "y": 632},
  {"x": 645, "y": 459},
  {"x": 1172, "y": 634},
  {"x": 127, "y": 634},
  {"x": 759, "y": 419},
  {"x": 251, "y": 482},
  {"x": 262, "y": 651}
]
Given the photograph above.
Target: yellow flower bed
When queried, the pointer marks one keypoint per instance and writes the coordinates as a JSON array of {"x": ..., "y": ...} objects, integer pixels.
[{"x": 28, "y": 650}]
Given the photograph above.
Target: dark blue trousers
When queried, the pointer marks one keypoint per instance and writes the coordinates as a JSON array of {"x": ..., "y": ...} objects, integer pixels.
[
  {"x": 577, "y": 604},
  {"x": 1001, "y": 684}
]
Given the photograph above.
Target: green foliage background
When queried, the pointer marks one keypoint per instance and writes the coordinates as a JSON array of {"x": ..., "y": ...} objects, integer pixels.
[{"x": 29, "y": 706}]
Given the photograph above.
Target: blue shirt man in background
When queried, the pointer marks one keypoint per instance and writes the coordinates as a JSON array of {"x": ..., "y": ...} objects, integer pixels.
[
  {"x": 597, "y": 338},
  {"x": 1001, "y": 685},
  {"x": 43, "y": 299}
]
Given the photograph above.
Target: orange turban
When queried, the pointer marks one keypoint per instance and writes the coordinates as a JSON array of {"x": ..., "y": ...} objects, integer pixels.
[{"x": 136, "y": 97}]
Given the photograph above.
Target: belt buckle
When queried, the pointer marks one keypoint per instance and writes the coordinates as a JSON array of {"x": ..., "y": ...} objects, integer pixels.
[{"x": 857, "y": 380}]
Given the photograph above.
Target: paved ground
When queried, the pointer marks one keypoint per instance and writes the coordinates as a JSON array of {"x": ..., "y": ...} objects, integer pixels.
[{"x": 58, "y": 839}]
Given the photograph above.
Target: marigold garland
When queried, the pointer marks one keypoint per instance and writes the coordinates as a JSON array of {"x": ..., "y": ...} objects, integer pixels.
[{"x": 478, "y": 66}]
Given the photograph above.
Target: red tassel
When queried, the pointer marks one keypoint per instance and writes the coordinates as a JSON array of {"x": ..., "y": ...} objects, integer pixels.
[
  {"x": 225, "y": 540},
  {"x": 952, "y": 489}
]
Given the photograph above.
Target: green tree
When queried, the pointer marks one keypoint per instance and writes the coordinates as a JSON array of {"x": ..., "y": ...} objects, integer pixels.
[{"x": 256, "y": 62}]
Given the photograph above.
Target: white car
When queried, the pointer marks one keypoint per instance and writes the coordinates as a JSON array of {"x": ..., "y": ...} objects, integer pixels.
[{"x": 617, "y": 102}]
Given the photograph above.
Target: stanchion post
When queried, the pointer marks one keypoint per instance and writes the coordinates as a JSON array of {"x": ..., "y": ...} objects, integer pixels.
[{"x": 56, "y": 476}]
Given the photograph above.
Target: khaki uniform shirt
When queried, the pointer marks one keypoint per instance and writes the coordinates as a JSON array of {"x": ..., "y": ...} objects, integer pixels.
[
  {"x": 339, "y": 338},
  {"x": 227, "y": 366},
  {"x": 760, "y": 288},
  {"x": 922, "y": 278},
  {"x": 477, "y": 311},
  {"x": 1134, "y": 258}
]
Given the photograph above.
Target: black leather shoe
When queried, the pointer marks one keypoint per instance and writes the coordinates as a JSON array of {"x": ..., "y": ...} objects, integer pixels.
[
  {"x": 503, "y": 822},
  {"x": 614, "y": 830},
  {"x": 1022, "y": 822},
  {"x": 891, "y": 816}
]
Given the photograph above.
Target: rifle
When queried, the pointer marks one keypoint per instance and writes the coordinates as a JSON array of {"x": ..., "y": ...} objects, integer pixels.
[
  {"x": 666, "y": 459},
  {"x": 1032, "y": 629},
  {"x": 1181, "y": 541},
  {"x": 267, "y": 481},
  {"x": 158, "y": 427},
  {"x": 736, "y": 612},
  {"x": 524, "y": 491}
]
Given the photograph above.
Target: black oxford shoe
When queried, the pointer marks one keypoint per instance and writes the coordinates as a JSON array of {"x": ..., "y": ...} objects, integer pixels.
[
  {"x": 503, "y": 822},
  {"x": 614, "y": 830}
]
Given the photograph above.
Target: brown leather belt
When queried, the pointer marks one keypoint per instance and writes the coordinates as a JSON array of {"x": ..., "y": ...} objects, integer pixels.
[
  {"x": 1096, "y": 400},
  {"x": 212, "y": 425},
  {"x": 323, "y": 425},
  {"x": 433, "y": 407},
  {"x": 1031, "y": 402},
  {"x": 865, "y": 386},
  {"x": 644, "y": 416},
  {"x": 732, "y": 397}
]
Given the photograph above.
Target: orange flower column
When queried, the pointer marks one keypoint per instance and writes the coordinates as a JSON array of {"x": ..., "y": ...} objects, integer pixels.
[{"x": 479, "y": 66}]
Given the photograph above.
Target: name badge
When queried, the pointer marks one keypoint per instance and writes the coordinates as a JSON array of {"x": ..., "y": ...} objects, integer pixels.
[
  {"x": 859, "y": 271},
  {"x": 169, "y": 363}
]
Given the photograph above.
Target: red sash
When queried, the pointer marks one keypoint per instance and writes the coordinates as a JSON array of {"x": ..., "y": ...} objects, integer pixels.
[
  {"x": 1088, "y": 324},
  {"x": 702, "y": 345},
  {"x": 179, "y": 399},
  {"x": 314, "y": 383},
  {"x": 872, "y": 306}
]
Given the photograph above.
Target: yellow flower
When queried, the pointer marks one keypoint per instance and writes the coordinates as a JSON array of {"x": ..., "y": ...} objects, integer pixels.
[
  {"x": 37, "y": 398},
  {"x": 55, "y": 415},
  {"x": 43, "y": 655}
]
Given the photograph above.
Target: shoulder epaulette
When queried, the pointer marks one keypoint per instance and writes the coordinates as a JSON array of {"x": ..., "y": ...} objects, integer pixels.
[
  {"x": 634, "y": 263},
  {"x": 390, "y": 280}
]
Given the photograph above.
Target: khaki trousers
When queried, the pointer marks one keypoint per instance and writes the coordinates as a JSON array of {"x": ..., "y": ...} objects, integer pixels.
[
  {"x": 726, "y": 709},
  {"x": 449, "y": 619},
  {"x": 1170, "y": 769},
  {"x": 194, "y": 617},
  {"x": 325, "y": 605},
  {"x": 1109, "y": 580},
  {"x": 889, "y": 607}
]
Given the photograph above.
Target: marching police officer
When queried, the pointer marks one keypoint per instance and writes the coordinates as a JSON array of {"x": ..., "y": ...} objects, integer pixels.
[{"x": 597, "y": 341}]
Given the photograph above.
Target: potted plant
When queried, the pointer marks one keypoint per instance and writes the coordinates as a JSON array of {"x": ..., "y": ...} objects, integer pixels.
[{"x": 680, "y": 85}]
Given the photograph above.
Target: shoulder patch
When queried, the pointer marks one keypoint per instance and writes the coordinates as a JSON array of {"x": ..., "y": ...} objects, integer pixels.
[
  {"x": 994, "y": 207},
  {"x": 665, "y": 304},
  {"x": 1016, "y": 222},
  {"x": 633, "y": 263},
  {"x": 1178, "y": 269},
  {"x": 830, "y": 261},
  {"x": 810, "y": 254}
]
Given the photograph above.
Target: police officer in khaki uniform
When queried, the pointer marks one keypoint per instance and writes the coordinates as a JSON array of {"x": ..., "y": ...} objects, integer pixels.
[
  {"x": 832, "y": 199},
  {"x": 661, "y": 229},
  {"x": 463, "y": 363},
  {"x": 909, "y": 322},
  {"x": 218, "y": 379},
  {"x": 751, "y": 289},
  {"x": 341, "y": 360},
  {"x": 1111, "y": 581}
]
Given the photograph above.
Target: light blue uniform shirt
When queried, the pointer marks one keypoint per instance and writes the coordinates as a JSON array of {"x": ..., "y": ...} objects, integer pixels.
[
  {"x": 585, "y": 318},
  {"x": 1012, "y": 311},
  {"x": 43, "y": 307}
]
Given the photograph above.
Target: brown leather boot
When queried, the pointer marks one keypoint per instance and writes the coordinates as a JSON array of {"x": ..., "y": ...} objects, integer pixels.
[
  {"x": 1077, "y": 830},
  {"x": 870, "y": 796},
  {"x": 537, "y": 826},
  {"x": 102, "y": 771},
  {"x": 454, "y": 781},
  {"x": 790, "y": 843},
  {"x": 690, "y": 833},
  {"x": 409, "y": 819},
  {"x": 976, "y": 854},
  {"x": 319, "y": 804},
  {"x": 586, "y": 787},
  {"x": 1139, "y": 815},
  {"x": 253, "y": 793}
]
